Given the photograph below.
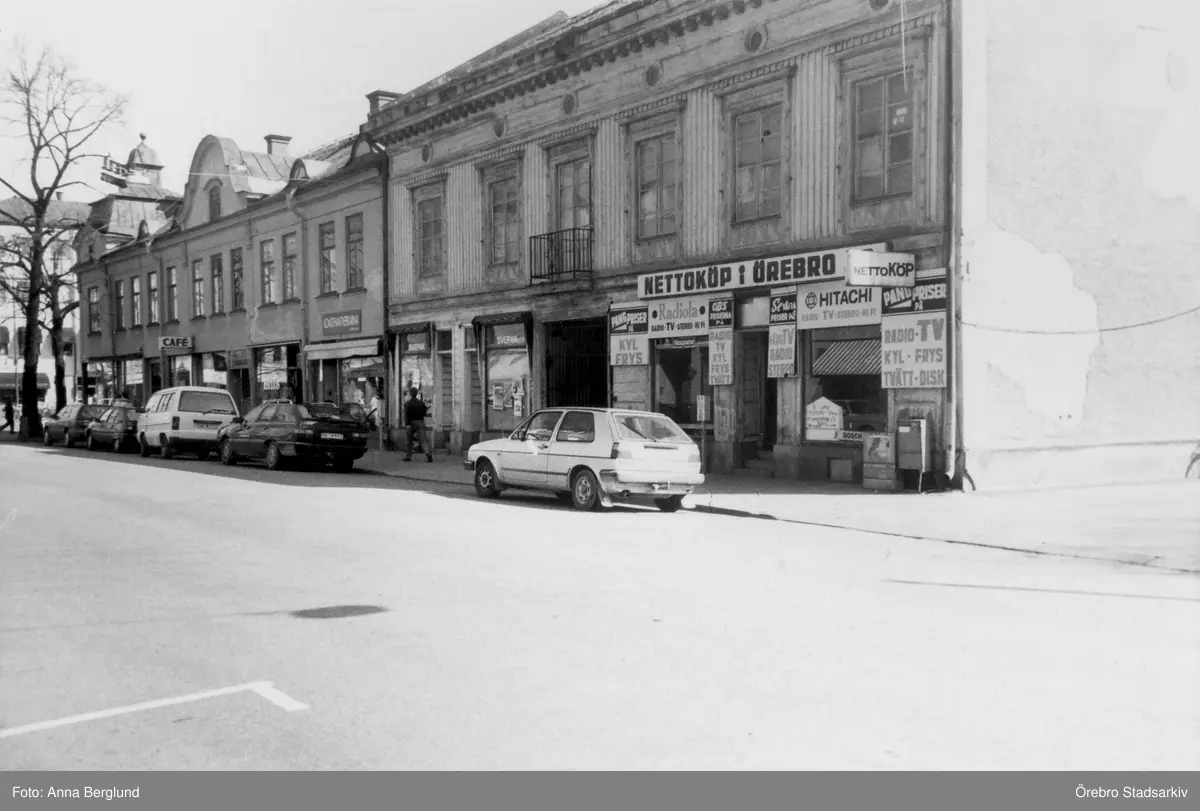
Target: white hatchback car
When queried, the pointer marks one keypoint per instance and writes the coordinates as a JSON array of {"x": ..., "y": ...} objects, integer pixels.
[
  {"x": 591, "y": 456},
  {"x": 184, "y": 418}
]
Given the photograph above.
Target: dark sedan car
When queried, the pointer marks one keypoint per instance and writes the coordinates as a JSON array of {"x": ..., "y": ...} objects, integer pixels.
[
  {"x": 317, "y": 433},
  {"x": 116, "y": 428},
  {"x": 70, "y": 426}
]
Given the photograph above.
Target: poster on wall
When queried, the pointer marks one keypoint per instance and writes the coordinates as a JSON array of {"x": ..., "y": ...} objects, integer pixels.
[
  {"x": 497, "y": 397},
  {"x": 720, "y": 357},
  {"x": 833, "y": 304},
  {"x": 913, "y": 334},
  {"x": 679, "y": 317},
  {"x": 629, "y": 350},
  {"x": 781, "y": 350}
]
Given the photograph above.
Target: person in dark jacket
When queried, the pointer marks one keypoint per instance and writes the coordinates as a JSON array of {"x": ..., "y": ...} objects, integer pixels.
[
  {"x": 415, "y": 412},
  {"x": 9, "y": 413}
]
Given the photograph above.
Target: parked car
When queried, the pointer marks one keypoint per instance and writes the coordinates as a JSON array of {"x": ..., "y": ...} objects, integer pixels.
[
  {"x": 116, "y": 428},
  {"x": 70, "y": 426},
  {"x": 317, "y": 433},
  {"x": 591, "y": 456},
  {"x": 184, "y": 418}
]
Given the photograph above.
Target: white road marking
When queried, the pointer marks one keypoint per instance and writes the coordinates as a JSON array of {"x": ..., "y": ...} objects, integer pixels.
[{"x": 264, "y": 689}]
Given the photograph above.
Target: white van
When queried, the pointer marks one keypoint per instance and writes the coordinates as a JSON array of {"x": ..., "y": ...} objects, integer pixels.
[{"x": 185, "y": 418}]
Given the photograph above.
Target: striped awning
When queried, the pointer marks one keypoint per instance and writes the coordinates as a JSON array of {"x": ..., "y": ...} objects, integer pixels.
[
  {"x": 12, "y": 380},
  {"x": 849, "y": 358}
]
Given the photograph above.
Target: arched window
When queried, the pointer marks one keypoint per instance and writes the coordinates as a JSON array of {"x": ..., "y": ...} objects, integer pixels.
[
  {"x": 143, "y": 230},
  {"x": 214, "y": 202}
]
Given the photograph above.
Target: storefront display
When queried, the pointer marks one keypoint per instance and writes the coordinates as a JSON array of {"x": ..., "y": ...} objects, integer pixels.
[
  {"x": 101, "y": 382},
  {"x": 277, "y": 373},
  {"x": 132, "y": 382},
  {"x": 843, "y": 367},
  {"x": 507, "y": 376},
  {"x": 213, "y": 370},
  {"x": 416, "y": 366},
  {"x": 680, "y": 375},
  {"x": 181, "y": 370}
]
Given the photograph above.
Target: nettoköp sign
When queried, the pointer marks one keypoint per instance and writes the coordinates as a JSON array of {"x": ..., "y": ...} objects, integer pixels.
[{"x": 877, "y": 269}]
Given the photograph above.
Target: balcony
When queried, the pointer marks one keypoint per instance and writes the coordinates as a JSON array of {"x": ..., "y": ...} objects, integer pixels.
[{"x": 561, "y": 255}]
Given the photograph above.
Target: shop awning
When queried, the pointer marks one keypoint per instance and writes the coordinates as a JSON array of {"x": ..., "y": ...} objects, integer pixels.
[
  {"x": 849, "y": 358},
  {"x": 12, "y": 380},
  {"x": 361, "y": 348},
  {"x": 411, "y": 329},
  {"x": 524, "y": 317}
]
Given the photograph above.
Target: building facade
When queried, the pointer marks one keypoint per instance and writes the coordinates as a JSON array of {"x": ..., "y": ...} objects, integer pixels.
[
  {"x": 625, "y": 207},
  {"x": 246, "y": 270}
]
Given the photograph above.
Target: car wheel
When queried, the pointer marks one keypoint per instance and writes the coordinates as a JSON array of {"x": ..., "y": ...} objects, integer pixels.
[
  {"x": 585, "y": 491},
  {"x": 227, "y": 457},
  {"x": 143, "y": 448},
  {"x": 119, "y": 444},
  {"x": 68, "y": 440},
  {"x": 165, "y": 450},
  {"x": 274, "y": 459},
  {"x": 669, "y": 505},
  {"x": 486, "y": 485},
  {"x": 46, "y": 439},
  {"x": 91, "y": 443}
]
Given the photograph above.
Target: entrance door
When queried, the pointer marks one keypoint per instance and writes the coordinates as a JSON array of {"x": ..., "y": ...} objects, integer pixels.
[
  {"x": 576, "y": 364},
  {"x": 754, "y": 387}
]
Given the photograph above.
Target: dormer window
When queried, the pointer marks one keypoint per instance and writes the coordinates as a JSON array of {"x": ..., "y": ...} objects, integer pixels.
[
  {"x": 143, "y": 231},
  {"x": 214, "y": 202}
]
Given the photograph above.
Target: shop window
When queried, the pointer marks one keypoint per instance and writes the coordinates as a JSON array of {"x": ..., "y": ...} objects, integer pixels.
[
  {"x": 507, "y": 378},
  {"x": 680, "y": 375},
  {"x": 416, "y": 368},
  {"x": 133, "y": 387},
  {"x": 577, "y": 426},
  {"x": 271, "y": 374},
  {"x": 181, "y": 370},
  {"x": 362, "y": 381},
  {"x": 758, "y": 162},
  {"x": 847, "y": 371},
  {"x": 883, "y": 136},
  {"x": 213, "y": 367}
]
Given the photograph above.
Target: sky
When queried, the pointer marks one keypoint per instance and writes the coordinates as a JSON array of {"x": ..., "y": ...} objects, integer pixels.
[{"x": 246, "y": 69}]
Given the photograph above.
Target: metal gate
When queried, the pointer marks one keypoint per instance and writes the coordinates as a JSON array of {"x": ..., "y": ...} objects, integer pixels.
[{"x": 576, "y": 364}]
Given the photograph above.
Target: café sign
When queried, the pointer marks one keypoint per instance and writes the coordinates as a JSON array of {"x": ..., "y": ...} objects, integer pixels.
[{"x": 168, "y": 342}]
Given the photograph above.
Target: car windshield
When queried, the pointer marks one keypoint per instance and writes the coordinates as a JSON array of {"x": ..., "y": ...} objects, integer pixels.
[
  {"x": 654, "y": 427},
  {"x": 201, "y": 402},
  {"x": 92, "y": 412},
  {"x": 324, "y": 411}
]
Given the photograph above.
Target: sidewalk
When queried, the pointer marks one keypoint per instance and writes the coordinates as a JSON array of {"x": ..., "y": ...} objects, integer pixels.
[{"x": 1155, "y": 525}]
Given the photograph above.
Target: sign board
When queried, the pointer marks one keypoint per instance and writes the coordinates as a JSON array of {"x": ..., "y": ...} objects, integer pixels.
[
  {"x": 823, "y": 420},
  {"x": 629, "y": 350},
  {"x": 720, "y": 357},
  {"x": 167, "y": 343},
  {"x": 875, "y": 269},
  {"x": 345, "y": 323},
  {"x": 879, "y": 449},
  {"x": 913, "y": 334},
  {"x": 702, "y": 407},
  {"x": 833, "y": 304},
  {"x": 806, "y": 268},
  {"x": 720, "y": 313},
  {"x": 781, "y": 350},
  {"x": 782, "y": 309},
  {"x": 679, "y": 317},
  {"x": 629, "y": 322},
  {"x": 239, "y": 359}
]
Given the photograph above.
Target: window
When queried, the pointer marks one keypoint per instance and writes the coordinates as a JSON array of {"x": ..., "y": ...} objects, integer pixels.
[
  {"x": 328, "y": 247},
  {"x": 119, "y": 300},
  {"x": 172, "y": 295},
  {"x": 198, "y": 288},
  {"x": 430, "y": 230},
  {"x": 758, "y": 163},
  {"x": 503, "y": 197},
  {"x": 354, "y": 252},
  {"x": 206, "y": 402},
  {"x": 235, "y": 279},
  {"x": 577, "y": 426},
  {"x": 656, "y": 184},
  {"x": 573, "y": 194},
  {"x": 648, "y": 426},
  {"x": 214, "y": 202},
  {"x": 680, "y": 374},
  {"x": 507, "y": 391},
  {"x": 216, "y": 265},
  {"x": 135, "y": 301},
  {"x": 289, "y": 267},
  {"x": 152, "y": 295},
  {"x": 883, "y": 136},
  {"x": 541, "y": 427},
  {"x": 266, "y": 266},
  {"x": 93, "y": 309},
  {"x": 843, "y": 365}
]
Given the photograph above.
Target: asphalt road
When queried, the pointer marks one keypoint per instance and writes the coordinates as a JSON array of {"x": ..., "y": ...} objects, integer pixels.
[{"x": 520, "y": 634}]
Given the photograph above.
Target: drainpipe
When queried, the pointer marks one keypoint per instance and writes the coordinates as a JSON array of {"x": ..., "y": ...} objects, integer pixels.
[
  {"x": 112, "y": 323},
  {"x": 303, "y": 270},
  {"x": 952, "y": 189},
  {"x": 385, "y": 181}
]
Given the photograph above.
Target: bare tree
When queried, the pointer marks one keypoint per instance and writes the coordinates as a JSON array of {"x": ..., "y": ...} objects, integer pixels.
[{"x": 58, "y": 114}]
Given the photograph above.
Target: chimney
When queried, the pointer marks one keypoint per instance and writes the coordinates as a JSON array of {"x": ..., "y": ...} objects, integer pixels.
[
  {"x": 381, "y": 98},
  {"x": 58, "y": 195},
  {"x": 278, "y": 144}
]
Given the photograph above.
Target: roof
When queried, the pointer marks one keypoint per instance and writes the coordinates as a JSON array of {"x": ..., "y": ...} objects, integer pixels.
[
  {"x": 331, "y": 152},
  {"x": 266, "y": 166},
  {"x": 146, "y": 191},
  {"x": 60, "y": 212}
]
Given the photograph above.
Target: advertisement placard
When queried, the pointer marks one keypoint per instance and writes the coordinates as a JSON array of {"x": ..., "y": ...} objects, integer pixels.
[
  {"x": 629, "y": 322},
  {"x": 629, "y": 350},
  {"x": 781, "y": 350},
  {"x": 679, "y": 317},
  {"x": 720, "y": 313},
  {"x": 823, "y": 420},
  {"x": 913, "y": 334},
  {"x": 720, "y": 357},
  {"x": 782, "y": 309},
  {"x": 833, "y": 304},
  {"x": 877, "y": 269}
]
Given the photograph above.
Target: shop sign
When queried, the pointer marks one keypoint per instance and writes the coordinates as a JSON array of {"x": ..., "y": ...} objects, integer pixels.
[
  {"x": 928, "y": 294},
  {"x": 676, "y": 343},
  {"x": 416, "y": 343},
  {"x": 805, "y": 268},
  {"x": 168, "y": 342},
  {"x": 833, "y": 304},
  {"x": 629, "y": 350},
  {"x": 679, "y": 317},
  {"x": 239, "y": 359},
  {"x": 823, "y": 420},
  {"x": 347, "y": 323},
  {"x": 629, "y": 322},
  {"x": 875, "y": 269},
  {"x": 783, "y": 309},
  {"x": 913, "y": 334},
  {"x": 720, "y": 357},
  {"x": 781, "y": 351},
  {"x": 720, "y": 313}
]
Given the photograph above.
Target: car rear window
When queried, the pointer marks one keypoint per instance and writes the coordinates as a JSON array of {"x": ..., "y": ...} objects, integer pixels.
[
  {"x": 201, "y": 401},
  {"x": 91, "y": 412},
  {"x": 324, "y": 411},
  {"x": 655, "y": 427}
]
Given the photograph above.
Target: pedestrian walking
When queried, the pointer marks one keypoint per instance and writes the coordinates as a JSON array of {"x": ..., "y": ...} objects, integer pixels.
[
  {"x": 415, "y": 412},
  {"x": 9, "y": 413}
]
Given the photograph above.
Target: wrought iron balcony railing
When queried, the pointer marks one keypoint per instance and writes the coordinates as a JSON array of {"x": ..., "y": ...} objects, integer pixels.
[{"x": 560, "y": 255}]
